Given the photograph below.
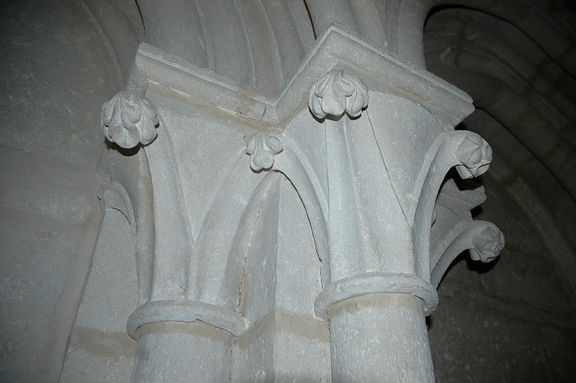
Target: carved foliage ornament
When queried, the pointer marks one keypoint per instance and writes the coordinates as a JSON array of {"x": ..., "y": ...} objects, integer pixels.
[
  {"x": 338, "y": 93},
  {"x": 487, "y": 244},
  {"x": 474, "y": 154},
  {"x": 129, "y": 119},
  {"x": 262, "y": 147}
]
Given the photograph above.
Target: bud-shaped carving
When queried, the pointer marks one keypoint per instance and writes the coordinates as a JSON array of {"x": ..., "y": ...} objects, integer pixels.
[
  {"x": 338, "y": 93},
  {"x": 129, "y": 119},
  {"x": 262, "y": 147},
  {"x": 483, "y": 239},
  {"x": 487, "y": 244},
  {"x": 475, "y": 155}
]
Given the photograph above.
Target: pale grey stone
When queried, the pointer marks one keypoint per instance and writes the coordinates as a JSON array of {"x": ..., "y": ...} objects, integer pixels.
[{"x": 281, "y": 188}]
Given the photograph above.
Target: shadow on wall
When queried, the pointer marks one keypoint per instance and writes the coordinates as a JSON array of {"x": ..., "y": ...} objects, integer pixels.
[
  {"x": 521, "y": 313},
  {"x": 56, "y": 70}
]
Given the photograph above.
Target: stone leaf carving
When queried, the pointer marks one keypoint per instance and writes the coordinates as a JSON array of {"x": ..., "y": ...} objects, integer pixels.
[
  {"x": 338, "y": 93},
  {"x": 483, "y": 239},
  {"x": 475, "y": 155},
  {"x": 262, "y": 147},
  {"x": 129, "y": 119},
  {"x": 487, "y": 244}
]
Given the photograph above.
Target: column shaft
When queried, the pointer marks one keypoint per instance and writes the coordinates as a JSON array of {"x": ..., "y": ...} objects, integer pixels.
[
  {"x": 380, "y": 338},
  {"x": 179, "y": 352}
]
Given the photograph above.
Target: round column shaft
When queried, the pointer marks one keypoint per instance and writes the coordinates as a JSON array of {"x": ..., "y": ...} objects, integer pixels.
[
  {"x": 178, "y": 352},
  {"x": 380, "y": 338}
]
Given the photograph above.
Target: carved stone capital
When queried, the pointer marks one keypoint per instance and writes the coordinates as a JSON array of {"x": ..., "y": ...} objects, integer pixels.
[
  {"x": 338, "y": 93},
  {"x": 475, "y": 156},
  {"x": 262, "y": 147},
  {"x": 487, "y": 244},
  {"x": 129, "y": 119}
]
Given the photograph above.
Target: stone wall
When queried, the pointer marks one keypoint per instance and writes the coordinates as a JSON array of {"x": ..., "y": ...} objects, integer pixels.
[
  {"x": 56, "y": 70},
  {"x": 511, "y": 321}
]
